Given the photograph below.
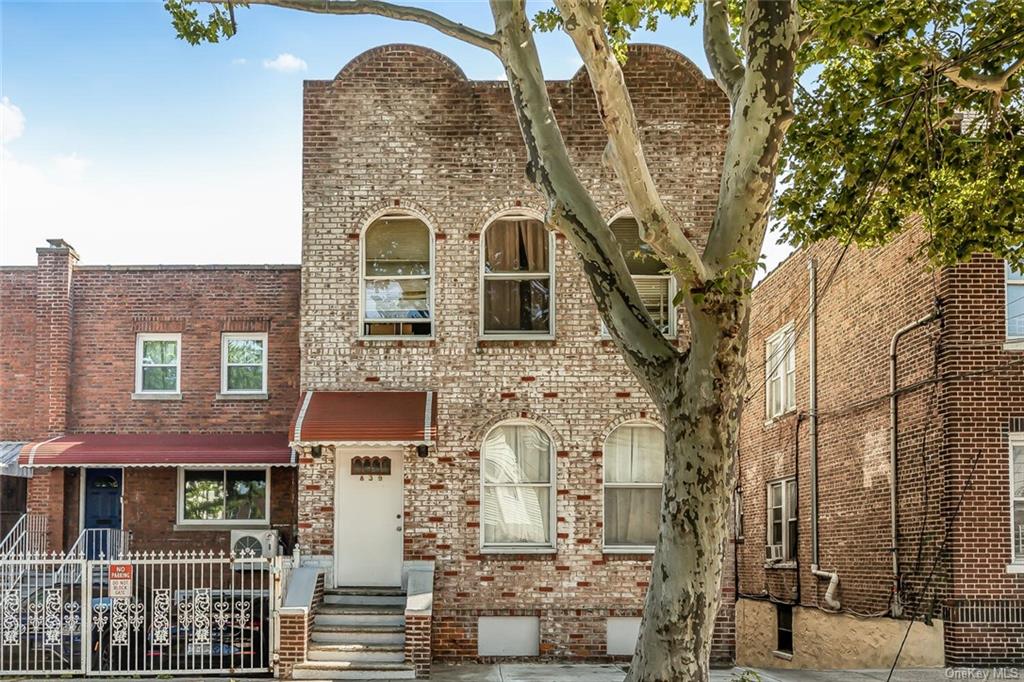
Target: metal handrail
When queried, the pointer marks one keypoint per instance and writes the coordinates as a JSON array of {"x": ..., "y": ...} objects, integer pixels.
[
  {"x": 27, "y": 536},
  {"x": 112, "y": 544}
]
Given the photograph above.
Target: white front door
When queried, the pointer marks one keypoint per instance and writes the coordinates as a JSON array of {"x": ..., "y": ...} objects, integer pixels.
[{"x": 368, "y": 535}]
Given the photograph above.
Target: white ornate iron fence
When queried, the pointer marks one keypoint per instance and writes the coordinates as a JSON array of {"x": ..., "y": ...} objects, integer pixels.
[{"x": 140, "y": 614}]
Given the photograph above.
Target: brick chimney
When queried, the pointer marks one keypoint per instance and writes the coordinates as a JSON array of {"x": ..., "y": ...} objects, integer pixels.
[
  {"x": 55, "y": 264},
  {"x": 54, "y": 268}
]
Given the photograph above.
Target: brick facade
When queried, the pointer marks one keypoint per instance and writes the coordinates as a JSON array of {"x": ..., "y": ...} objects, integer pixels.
[
  {"x": 68, "y": 335},
  {"x": 944, "y": 419},
  {"x": 400, "y": 127}
]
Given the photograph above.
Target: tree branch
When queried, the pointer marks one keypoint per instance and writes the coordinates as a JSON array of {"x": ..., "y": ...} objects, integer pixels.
[
  {"x": 487, "y": 41},
  {"x": 995, "y": 83},
  {"x": 571, "y": 209},
  {"x": 725, "y": 62},
  {"x": 762, "y": 111},
  {"x": 584, "y": 24}
]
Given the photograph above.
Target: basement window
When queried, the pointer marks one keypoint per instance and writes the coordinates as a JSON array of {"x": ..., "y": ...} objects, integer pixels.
[{"x": 784, "y": 628}]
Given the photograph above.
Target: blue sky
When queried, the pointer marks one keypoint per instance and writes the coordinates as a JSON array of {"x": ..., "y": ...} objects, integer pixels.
[{"x": 139, "y": 148}]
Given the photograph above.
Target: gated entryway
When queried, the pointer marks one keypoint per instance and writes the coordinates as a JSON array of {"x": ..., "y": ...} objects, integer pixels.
[{"x": 146, "y": 613}]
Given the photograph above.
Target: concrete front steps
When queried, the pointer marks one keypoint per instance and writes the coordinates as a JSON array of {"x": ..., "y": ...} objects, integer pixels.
[{"x": 358, "y": 634}]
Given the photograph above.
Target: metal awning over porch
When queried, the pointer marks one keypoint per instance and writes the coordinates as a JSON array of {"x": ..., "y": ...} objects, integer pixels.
[
  {"x": 222, "y": 450},
  {"x": 366, "y": 418},
  {"x": 9, "y": 460}
]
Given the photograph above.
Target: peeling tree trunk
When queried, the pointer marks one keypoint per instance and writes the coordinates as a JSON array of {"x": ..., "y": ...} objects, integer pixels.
[{"x": 700, "y": 402}]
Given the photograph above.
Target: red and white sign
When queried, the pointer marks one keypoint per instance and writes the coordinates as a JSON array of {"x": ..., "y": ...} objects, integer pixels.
[{"x": 120, "y": 580}]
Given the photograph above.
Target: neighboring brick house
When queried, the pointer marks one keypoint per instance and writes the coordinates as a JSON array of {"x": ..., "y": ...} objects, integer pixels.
[
  {"x": 445, "y": 329},
  {"x": 960, "y": 425},
  {"x": 117, "y": 377}
]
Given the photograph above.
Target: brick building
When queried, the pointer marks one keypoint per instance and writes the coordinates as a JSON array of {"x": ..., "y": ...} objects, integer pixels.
[
  {"x": 445, "y": 329},
  {"x": 121, "y": 381},
  {"x": 958, "y": 452}
]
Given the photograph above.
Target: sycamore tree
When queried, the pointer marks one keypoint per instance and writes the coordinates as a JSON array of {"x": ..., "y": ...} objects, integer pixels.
[{"x": 848, "y": 117}]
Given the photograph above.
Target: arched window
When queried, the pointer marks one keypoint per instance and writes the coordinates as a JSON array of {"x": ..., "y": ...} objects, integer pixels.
[
  {"x": 517, "y": 292},
  {"x": 517, "y": 462},
  {"x": 651, "y": 276},
  {"x": 634, "y": 465},
  {"x": 397, "y": 296}
]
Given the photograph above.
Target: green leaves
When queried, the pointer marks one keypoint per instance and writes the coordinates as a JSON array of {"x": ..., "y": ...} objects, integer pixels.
[
  {"x": 193, "y": 30},
  {"x": 879, "y": 118}
]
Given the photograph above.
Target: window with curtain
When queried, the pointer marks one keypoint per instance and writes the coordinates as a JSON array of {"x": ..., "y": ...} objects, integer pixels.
[
  {"x": 634, "y": 466},
  {"x": 397, "y": 277},
  {"x": 1017, "y": 495},
  {"x": 223, "y": 495},
  {"x": 780, "y": 372},
  {"x": 517, "y": 462},
  {"x": 1014, "y": 303},
  {"x": 518, "y": 278},
  {"x": 650, "y": 275}
]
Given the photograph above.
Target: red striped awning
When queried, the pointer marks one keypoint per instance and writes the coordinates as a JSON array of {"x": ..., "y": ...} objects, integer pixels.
[
  {"x": 366, "y": 418},
  {"x": 160, "y": 450}
]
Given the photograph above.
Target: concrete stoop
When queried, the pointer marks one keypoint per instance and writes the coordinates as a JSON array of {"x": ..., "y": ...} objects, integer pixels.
[{"x": 358, "y": 634}]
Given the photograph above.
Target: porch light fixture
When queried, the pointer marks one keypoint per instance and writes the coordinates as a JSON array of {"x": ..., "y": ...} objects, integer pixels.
[
  {"x": 316, "y": 451},
  {"x": 422, "y": 450}
]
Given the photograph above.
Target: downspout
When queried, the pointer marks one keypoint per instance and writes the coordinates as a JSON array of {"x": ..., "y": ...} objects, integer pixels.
[
  {"x": 897, "y": 579},
  {"x": 812, "y": 390}
]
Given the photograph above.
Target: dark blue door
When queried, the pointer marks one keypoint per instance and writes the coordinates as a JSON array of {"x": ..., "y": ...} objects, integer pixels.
[{"x": 102, "y": 509}]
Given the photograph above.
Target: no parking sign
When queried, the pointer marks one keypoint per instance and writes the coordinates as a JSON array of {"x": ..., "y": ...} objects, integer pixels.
[{"x": 120, "y": 580}]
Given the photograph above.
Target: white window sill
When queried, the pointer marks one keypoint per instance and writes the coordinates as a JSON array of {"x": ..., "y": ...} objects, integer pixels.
[
  {"x": 410, "y": 338},
  {"x": 780, "y": 564},
  {"x": 518, "y": 550},
  {"x": 156, "y": 396},
  {"x": 1014, "y": 344},
  {"x": 785, "y": 655},
  {"x": 241, "y": 396},
  {"x": 1015, "y": 568},
  {"x": 214, "y": 526},
  {"x": 628, "y": 550},
  {"x": 518, "y": 337},
  {"x": 779, "y": 417}
]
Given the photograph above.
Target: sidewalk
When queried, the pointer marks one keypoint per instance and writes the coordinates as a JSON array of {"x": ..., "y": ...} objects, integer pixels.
[{"x": 553, "y": 672}]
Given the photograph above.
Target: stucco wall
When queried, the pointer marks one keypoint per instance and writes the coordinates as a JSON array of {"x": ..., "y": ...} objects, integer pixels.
[{"x": 825, "y": 641}]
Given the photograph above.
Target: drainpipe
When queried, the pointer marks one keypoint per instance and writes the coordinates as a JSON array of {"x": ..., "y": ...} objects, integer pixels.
[
  {"x": 812, "y": 389},
  {"x": 897, "y": 588}
]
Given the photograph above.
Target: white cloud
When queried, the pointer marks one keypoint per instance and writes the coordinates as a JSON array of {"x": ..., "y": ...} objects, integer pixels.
[
  {"x": 285, "y": 63},
  {"x": 239, "y": 61},
  {"x": 71, "y": 165},
  {"x": 12, "y": 121}
]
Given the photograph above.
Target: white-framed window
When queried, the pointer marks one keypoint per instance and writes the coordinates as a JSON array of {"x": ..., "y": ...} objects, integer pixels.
[
  {"x": 634, "y": 468},
  {"x": 655, "y": 283},
  {"x": 780, "y": 372},
  {"x": 518, "y": 473},
  {"x": 1014, "y": 303},
  {"x": 224, "y": 496},
  {"x": 517, "y": 288},
  {"x": 158, "y": 363},
  {"x": 782, "y": 521},
  {"x": 243, "y": 362},
  {"x": 1017, "y": 496},
  {"x": 397, "y": 296}
]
